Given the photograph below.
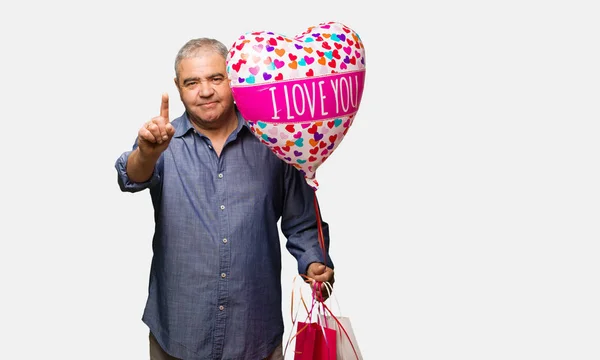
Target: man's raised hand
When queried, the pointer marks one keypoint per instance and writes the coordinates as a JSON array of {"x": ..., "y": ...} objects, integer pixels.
[{"x": 155, "y": 135}]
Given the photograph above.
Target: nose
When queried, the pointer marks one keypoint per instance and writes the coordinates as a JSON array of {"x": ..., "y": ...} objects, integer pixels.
[{"x": 206, "y": 89}]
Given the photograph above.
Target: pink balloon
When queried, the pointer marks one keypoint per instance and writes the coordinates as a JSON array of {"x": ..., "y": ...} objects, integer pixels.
[{"x": 299, "y": 95}]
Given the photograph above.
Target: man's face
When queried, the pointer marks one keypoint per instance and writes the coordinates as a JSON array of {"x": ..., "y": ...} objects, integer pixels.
[{"x": 204, "y": 88}]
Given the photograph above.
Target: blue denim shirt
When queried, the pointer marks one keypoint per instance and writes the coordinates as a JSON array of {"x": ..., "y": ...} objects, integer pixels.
[{"x": 215, "y": 280}]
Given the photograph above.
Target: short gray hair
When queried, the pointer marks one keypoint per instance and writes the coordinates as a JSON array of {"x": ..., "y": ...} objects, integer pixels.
[{"x": 193, "y": 47}]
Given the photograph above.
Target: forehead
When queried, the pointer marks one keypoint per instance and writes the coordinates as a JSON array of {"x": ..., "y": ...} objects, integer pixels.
[{"x": 204, "y": 63}]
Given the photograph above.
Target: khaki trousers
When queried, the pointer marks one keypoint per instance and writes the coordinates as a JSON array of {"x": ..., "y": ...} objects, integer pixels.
[{"x": 157, "y": 353}]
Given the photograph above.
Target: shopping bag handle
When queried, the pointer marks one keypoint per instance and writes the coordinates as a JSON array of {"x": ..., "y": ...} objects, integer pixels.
[{"x": 321, "y": 308}]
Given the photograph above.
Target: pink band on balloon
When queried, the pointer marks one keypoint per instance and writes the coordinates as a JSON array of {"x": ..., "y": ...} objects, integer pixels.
[{"x": 299, "y": 100}]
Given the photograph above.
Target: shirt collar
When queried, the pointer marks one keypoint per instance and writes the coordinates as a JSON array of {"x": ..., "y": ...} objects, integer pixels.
[{"x": 185, "y": 125}]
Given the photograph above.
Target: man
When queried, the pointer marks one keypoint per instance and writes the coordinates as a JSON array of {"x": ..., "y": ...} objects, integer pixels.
[{"x": 218, "y": 195}]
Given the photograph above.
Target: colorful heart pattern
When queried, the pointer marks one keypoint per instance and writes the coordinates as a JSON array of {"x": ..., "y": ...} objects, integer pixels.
[{"x": 299, "y": 95}]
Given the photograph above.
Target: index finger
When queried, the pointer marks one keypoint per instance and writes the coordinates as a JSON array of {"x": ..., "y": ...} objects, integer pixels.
[{"x": 164, "y": 106}]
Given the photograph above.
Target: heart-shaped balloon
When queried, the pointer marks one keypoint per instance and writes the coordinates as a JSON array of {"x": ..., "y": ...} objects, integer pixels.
[{"x": 299, "y": 95}]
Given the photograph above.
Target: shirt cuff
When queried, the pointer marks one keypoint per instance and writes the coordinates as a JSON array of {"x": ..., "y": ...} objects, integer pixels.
[
  {"x": 125, "y": 183},
  {"x": 315, "y": 254}
]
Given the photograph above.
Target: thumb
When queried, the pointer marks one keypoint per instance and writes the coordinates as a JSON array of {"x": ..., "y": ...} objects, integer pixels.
[
  {"x": 170, "y": 130},
  {"x": 317, "y": 268},
  {"x": 164, "y": 106}
]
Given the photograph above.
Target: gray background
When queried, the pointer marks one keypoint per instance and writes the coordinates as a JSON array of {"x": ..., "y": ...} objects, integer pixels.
[{"x": 463, "y": 202}]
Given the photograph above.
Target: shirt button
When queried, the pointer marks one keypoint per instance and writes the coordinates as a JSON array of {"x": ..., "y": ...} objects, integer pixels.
[
  {"x": 222, "y": 207},
  {"x": 210, "y": 147},
  {"x": 224, "y": 241},
  {"x": 221, "y": 307},
  {"x": 220, "y": 176},
  {"x": 223, "y": 275}
]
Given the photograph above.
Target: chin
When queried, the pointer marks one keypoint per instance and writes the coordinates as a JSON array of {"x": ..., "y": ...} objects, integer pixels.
[{"x": 210, "y": 116}]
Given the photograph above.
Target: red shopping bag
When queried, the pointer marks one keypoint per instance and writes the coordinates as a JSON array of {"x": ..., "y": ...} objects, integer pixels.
[{"x": 315, "y": 341}]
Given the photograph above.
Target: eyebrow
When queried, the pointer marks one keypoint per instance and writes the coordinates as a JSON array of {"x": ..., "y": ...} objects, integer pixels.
[{"x": 212, "y": 76}]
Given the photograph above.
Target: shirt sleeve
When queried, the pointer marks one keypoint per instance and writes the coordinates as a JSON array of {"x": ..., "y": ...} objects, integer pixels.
[
  {"x": 125, "y": 183},
  {"x": 299, "y": 222}
]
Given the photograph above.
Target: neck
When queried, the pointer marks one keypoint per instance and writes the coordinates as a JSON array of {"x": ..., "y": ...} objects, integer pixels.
[
  {"x": 220, "y": 129},
  {"x": 218, "y": 132}
]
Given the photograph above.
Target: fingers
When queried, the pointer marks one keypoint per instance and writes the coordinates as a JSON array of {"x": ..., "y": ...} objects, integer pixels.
[
  {"x": 145, "y": 133},
  {"x": 151, "y": 131},
  {"x": 315, "y": 269},
  {"x": 164, "y": 107},
  {"x": 159, "y": 129},
  {"x": 318, "y": 268},
  {"x": 163, "y": 119},
  {"x": 170, "y": 130},
  {"x": 320, "y": 272},
  {"x": 156, "y": 131},
  {"x": 154, "y": 136}
]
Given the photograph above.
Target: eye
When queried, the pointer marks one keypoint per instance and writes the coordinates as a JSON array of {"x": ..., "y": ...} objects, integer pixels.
[
  {"x": 217, "y": 80},
  {"x": 190, "y": 84}
]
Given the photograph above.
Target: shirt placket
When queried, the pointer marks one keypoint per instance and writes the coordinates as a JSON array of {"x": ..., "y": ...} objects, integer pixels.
[{"x": 224, "y": 262}]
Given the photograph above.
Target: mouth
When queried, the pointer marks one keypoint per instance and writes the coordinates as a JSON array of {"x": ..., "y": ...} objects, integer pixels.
[{"x": 208, "y": 104}]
